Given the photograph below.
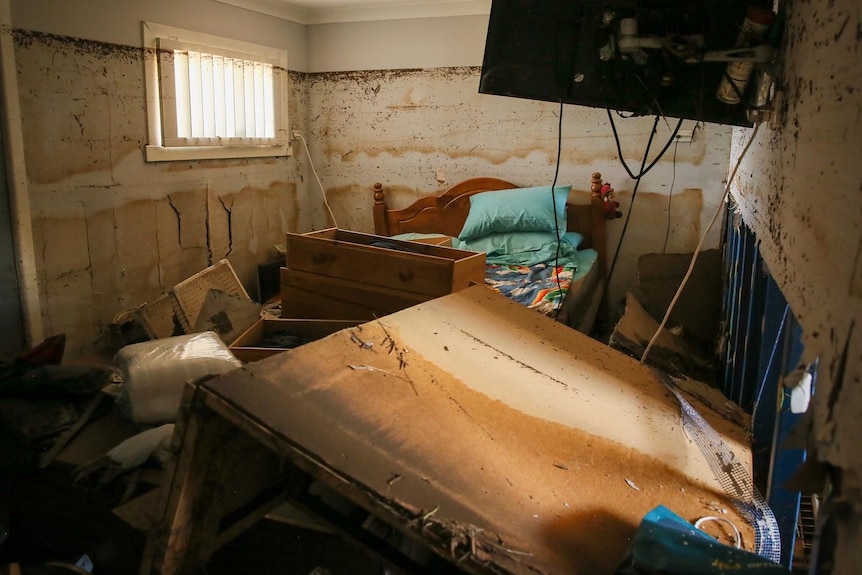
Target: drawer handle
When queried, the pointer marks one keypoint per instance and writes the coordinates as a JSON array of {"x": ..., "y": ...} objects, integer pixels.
[{"x": 405, "y": 276}]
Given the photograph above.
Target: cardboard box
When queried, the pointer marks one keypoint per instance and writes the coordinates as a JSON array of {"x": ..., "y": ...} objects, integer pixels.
[
  {"x": 247, "y": 347},
  {"x": 342, "y": 274}
]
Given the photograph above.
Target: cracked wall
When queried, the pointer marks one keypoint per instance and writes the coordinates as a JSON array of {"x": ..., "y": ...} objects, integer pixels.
[
  {"x": 113, "y": 231},
  {"x": 800, "y": 190}
]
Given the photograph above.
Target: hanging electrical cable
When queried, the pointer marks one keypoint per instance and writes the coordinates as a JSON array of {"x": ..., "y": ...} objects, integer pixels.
[
  {"x": 644, "y": 169},
  {"x": 670, "y": 197},
  {"x": 554, "y": 204},
  {"x": 634, "y": 194}
]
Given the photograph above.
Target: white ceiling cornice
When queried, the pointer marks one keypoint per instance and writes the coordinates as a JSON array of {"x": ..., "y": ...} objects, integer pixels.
[
  {"x": 331, "y": 12},
  {"x": 276, "y": 8}
]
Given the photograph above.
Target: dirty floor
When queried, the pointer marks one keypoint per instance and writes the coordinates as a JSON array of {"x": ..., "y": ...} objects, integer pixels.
[{"x": 47, "y": 519}]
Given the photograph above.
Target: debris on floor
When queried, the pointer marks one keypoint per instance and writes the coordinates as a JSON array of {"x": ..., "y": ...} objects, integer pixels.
[
  {"x": 687, "y": 346},
  {"x": 213, "y": 299},
  {"x": 43, "y": 404},
  {"x": 129, "y": 454},
  {"x": 155, "y": 372},
  {"x": 183, "y": 334},
  {"x": 671, "y": 353},
  {"x": 226, "y": 314}
]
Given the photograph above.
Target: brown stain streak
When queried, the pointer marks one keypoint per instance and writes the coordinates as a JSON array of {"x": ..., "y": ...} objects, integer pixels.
[
  {"x": 397, "y": 151},
  {"x": 573, "y": 154}
]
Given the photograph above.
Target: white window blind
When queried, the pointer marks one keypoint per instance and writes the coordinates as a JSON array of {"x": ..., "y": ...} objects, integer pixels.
[{"x": 215, "y": 100}]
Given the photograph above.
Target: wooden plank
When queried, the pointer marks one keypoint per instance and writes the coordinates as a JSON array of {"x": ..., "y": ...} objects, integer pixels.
[
  {"x": 363, "y": 239},
  {"x": 312, "y": 296},
  {"x": 216, "y": 482},
  {"x": 183, "y": 486},
  {"x": 309, "y": 305},
  {"x": 519, "y": 445}
]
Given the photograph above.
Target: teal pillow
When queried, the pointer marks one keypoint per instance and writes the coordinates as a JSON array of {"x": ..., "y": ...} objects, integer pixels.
[
  {"x": 516, "y": 210},
  {"x": 500, "y": 243},
  {"x": 573, "y": 238},
  {"x": 520, "y": 248}
]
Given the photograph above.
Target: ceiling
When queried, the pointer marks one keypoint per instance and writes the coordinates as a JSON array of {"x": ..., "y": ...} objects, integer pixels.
[{"x": 330, "y": 11}]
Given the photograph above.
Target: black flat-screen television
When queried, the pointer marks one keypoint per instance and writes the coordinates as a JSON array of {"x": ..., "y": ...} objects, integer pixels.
[{"x": 635, "y": 57}]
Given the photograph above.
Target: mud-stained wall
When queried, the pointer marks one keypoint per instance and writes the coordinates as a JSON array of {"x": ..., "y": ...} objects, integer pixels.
[
  {"x": 112, "y": 231},
  {"x": 800, "y": 189},
  {"x": 116, "y": 231},
  {"x": 120, "y": 22},
  {"x": 418, "y": 131}
]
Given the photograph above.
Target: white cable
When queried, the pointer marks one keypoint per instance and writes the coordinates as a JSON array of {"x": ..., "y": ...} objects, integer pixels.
[
  {"x": 322, "y": 190},
  {"x": 685, "y": 279}
]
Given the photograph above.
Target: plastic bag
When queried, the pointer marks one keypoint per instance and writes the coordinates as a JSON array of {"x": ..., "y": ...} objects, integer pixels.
[
  {"x": 666, "y": 544},
  {"x": 156, "y": 371}
]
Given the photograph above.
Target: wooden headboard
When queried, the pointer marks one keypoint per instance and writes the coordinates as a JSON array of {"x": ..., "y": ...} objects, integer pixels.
[{"x": 446, "y": 212}]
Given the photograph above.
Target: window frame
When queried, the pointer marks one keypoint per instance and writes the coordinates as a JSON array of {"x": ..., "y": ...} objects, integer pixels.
[{"x": 164, "y": 147}]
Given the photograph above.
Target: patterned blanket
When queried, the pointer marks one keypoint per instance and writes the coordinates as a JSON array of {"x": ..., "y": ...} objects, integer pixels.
[{"x": 541, "y": 287}]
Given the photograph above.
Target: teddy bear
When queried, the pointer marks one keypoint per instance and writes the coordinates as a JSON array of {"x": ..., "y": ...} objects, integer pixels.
[{"x": 611, "y": 206}]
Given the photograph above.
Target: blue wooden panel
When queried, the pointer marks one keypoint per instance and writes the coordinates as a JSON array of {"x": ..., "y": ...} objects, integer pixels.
[
  {"x": 770, "y": 370},
  {"x": 783, "y": 502},
  {"x": 763, "y": 343},
  {"x": 745, "y": 301},
  {"x": 733, "y": 306}
]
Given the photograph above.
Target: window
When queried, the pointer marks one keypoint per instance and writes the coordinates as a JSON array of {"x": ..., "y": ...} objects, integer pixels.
[{"x": 210, "y": 97}]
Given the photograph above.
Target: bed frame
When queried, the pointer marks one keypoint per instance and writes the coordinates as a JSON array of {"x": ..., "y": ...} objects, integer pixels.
[{"x": 446, "y": 212}]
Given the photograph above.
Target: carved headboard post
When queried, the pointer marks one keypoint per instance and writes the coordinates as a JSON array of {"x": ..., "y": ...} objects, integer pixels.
[
  {"x": 596, "y": 185},
  {"x": 380, "y": 226}
]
